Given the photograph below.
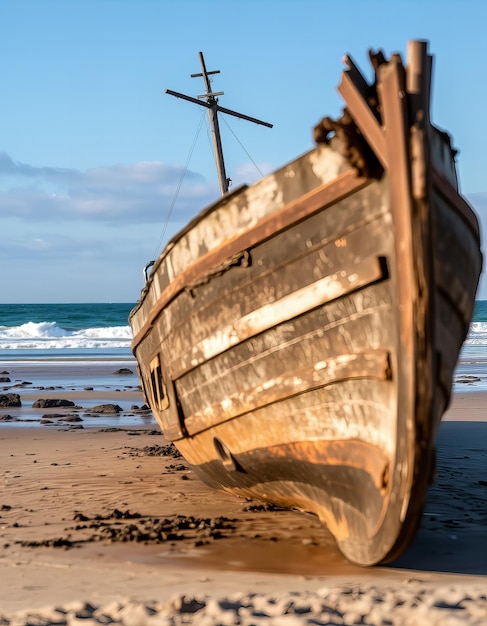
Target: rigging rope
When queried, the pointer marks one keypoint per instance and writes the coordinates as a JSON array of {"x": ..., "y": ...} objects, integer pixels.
[
  {"x": 183, "y": 174},
  {"x": 178, "y": 187},
  {"x": 242, "y": 146}
]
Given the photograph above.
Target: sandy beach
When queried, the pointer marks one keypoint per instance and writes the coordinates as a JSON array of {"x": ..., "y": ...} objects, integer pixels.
[{"x": 102, "y": 521}]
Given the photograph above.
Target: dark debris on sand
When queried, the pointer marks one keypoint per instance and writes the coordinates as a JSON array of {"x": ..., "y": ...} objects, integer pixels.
[
  {"x": 129, "y": 431},
  {"x": 124, "y": 526},
  {"x": 155, "y": 450}
]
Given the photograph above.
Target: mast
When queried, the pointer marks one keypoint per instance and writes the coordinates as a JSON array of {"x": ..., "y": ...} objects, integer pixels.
[{"x": 210, "y": 101}]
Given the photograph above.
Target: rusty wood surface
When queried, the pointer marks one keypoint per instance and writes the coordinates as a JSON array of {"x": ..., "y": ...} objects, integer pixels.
[
  {"x": 284, "y": 384},
  {"x": 312, "y": 202},
  {"x": 280, "y": 266},
  {"x": 271, "y": 361},
  {"x": 237, "y": 323},
  {"x": 318, "y": 476},
  {"x": 357, "y": 408}
]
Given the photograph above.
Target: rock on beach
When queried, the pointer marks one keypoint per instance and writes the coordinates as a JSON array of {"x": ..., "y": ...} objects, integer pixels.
[
  {"x": 106, "y": 409},
  {"x": 52, "y": 403},
  {"x": 10, "y": 399}
]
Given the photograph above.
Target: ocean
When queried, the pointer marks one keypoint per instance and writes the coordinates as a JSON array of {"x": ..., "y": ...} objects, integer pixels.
[
  {"x": 100, "y": 331},
  {"x": 79, "y": 353},
  {"x": 471, "y": 371},
  {"x": 85, "y": 331}
]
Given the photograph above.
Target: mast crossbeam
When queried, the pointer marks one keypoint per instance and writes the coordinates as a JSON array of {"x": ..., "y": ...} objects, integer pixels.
[{"x": 214, "y": 108}]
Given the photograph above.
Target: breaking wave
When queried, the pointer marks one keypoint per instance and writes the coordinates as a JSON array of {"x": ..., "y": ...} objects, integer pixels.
[{"x": 50, "y": 336}]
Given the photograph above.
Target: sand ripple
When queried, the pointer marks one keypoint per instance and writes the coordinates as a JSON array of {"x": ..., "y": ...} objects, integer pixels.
[{"x": 411, "y": 605}]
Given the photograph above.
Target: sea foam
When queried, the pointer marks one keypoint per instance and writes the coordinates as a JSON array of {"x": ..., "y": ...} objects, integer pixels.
[{"x": 48, "y": 335}]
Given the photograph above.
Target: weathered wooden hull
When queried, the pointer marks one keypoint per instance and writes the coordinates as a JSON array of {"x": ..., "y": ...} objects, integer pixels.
[{"x": 297, "y": 339}]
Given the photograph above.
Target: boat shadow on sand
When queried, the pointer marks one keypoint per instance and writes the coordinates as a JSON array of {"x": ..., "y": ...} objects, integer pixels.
[{"x": 453, "y": 533}]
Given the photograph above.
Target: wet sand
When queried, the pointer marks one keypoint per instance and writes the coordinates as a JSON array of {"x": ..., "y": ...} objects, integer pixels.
[{"x": 107, "y": 522}]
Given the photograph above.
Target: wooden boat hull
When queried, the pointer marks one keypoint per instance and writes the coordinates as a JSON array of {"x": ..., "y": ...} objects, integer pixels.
[{"x": 297, "y": 339}]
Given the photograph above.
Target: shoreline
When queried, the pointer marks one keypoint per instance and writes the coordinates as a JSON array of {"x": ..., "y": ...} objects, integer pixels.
[
  {"x": 85, "y": 384},
  {"x": 92, "y": 381}
]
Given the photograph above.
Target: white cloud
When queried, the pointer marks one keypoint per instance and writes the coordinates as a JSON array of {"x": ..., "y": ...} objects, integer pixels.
[
  {"x": 89, "y": 230},
  {"x": 84, "y": 236},
  {"x": 134, "y": 193}
]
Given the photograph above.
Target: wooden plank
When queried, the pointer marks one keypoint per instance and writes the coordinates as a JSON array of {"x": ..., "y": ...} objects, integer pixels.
[
  {"x": 450, "y": 331},
  {"x": 342, "y": 327},
  {"x": 363, "y": 117},
  {"x": 356, "y": 77},
  {"x": 373, "y": 364},
  {"x": 418, "y": 81},
  {"x": 280, "y": 267},
  {"x": 346, "y": 325},
  {"x": 391, "y": 90},
  {"x": 317, "y": 199},
  {"x": 317, "y": 293},
  {"x": 316, "y": 476},
  {"x": 461, "y": 206},
  {"x": 392, "y": 95}
]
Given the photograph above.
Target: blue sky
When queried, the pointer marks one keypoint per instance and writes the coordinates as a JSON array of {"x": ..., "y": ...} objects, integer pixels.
[{"x": 92, "y": 150}]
